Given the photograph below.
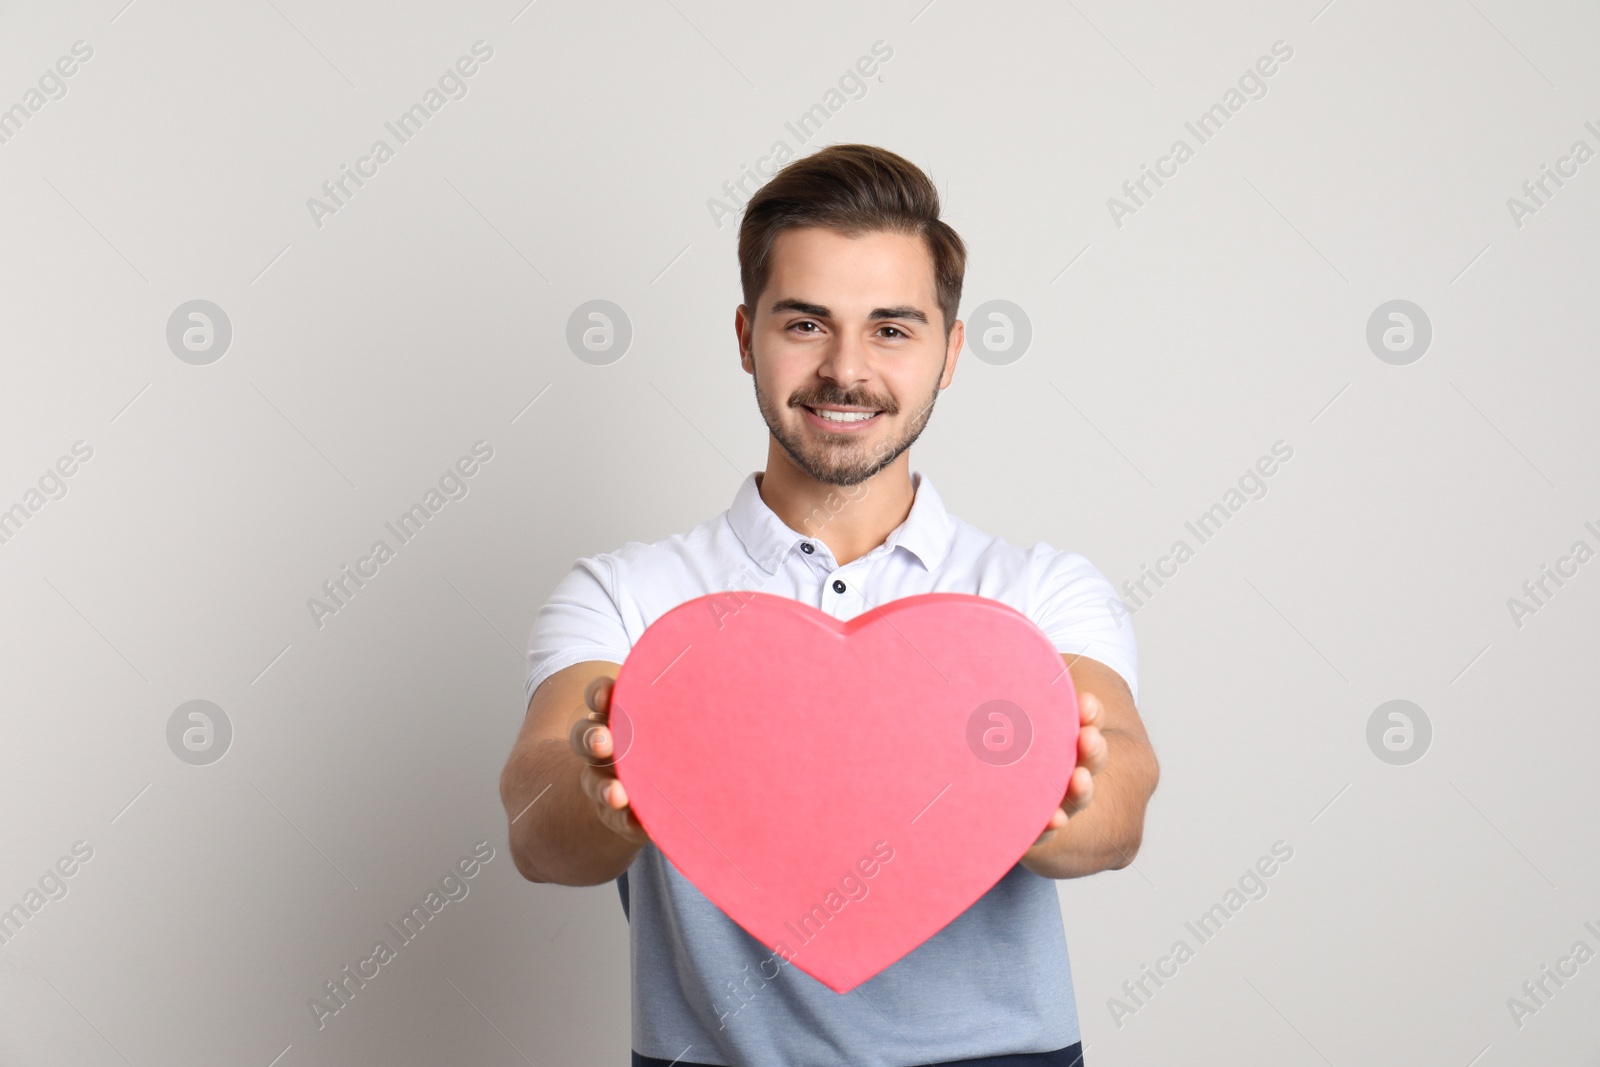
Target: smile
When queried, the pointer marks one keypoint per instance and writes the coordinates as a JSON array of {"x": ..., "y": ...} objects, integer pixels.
[{"x": 841, "y": 421}]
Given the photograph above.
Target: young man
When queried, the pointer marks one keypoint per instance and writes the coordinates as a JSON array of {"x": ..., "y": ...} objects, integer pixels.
[{"x": 848, "y": 327}]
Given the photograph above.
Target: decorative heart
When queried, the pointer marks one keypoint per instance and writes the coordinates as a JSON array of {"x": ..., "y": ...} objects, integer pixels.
[{"x": 842, "y": 790}]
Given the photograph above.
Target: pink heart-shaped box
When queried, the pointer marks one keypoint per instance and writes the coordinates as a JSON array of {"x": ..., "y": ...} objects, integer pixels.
[{"x": 842, "y": 790}]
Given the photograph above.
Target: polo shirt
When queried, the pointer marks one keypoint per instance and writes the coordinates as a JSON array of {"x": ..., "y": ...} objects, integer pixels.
[{"x": 994, "y": 981}]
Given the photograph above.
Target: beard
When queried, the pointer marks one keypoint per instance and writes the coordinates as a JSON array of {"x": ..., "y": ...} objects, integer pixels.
[{"x": 843, "y": 459}]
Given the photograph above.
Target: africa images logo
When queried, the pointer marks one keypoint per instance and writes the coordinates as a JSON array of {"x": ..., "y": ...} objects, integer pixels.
[
  {"x": 852, "y": 85},
  {"x": 452, "y": 85},
  {"x": 453, "y": 485},
  {"x": 342, "y": 988}
]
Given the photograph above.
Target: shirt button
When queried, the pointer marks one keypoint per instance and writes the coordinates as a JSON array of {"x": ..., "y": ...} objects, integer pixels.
[
  {"x": 807, "y": 547},
  {"x": 838, "y": 586}
]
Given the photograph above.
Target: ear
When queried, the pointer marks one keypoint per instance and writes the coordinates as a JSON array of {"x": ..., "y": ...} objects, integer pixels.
[
  {"x": 742, "y": 328},
  {"x": 958, "y": 334}
]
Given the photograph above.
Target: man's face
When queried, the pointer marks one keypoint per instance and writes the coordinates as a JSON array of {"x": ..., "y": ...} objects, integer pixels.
[{"x": 848, "y": 326}]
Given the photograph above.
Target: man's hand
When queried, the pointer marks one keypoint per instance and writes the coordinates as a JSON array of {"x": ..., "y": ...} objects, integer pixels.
[
  {"x": 591, "y": 739},
  {"x": 1100, "y": 820},
  {"x": 1080, "y": 786}
]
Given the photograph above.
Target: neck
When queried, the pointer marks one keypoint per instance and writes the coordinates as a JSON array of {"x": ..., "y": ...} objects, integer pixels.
[{"x": 850, "y": 520}]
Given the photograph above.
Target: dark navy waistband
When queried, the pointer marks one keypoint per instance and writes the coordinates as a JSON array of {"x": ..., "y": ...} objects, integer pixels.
[{"x": 1071, "y": 1056}]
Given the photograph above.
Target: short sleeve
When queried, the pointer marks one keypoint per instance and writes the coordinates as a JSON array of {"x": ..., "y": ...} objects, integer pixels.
[
  {"x": 580, "y": 621},
  {"x": 1079, "y": 610}
]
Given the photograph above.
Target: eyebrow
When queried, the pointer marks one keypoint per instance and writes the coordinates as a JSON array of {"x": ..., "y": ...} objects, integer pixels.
[{"x": 903, "y": 312}]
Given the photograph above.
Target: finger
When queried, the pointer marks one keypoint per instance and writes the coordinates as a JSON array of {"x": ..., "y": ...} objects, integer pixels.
[
  {"x": 594, "y": 782},
  {"x": 597, "y": 694},
  {"x": 1080, "y": 791},
  {"x": 1088, "y": 709},
  {"x": 1091, "y": 748},
  {"x": 590, "y": 740},
  {"x": 598, "y": 738},
  {"x": 625, "y": 823}
]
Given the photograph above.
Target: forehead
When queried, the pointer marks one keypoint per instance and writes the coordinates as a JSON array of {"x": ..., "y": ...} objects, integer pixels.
[{"x": 813, "y": 262}]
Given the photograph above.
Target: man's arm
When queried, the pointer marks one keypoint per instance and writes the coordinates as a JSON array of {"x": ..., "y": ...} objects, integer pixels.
[
  {"x": 1101, "y": 820},
  {"x": 551, "y": 793}
]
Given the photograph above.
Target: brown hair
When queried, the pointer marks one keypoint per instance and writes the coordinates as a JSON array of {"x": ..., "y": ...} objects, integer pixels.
[{"x": 851, "y": 189}]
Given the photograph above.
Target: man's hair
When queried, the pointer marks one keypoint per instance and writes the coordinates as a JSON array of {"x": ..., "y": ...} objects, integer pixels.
[{"x": 851, "y": 189}]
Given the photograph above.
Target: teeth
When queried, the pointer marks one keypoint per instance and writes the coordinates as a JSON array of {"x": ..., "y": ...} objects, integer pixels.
[{"x": 844, "y": 416}]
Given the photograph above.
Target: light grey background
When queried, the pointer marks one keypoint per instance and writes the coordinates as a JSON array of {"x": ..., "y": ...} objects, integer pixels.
[{"x": 1167, "y": 354}]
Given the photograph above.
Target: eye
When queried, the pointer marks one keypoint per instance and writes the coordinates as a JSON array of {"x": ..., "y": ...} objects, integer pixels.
[
  {"x": 897, "y": 331},
  {"x": 803, "y": 322}
]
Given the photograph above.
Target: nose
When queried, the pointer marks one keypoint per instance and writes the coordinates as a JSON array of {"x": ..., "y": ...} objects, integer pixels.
[{"x": 845, "y": 363}]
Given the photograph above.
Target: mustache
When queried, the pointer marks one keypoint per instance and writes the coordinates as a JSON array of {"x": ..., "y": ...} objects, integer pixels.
[{"x": 842, "y": 399}]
